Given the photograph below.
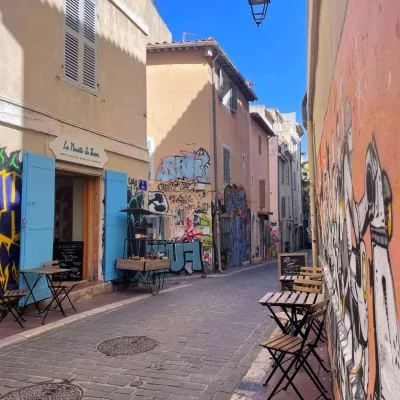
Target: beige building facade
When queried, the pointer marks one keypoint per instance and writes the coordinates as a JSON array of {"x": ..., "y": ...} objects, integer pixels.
[
  {"x": 72, "y": 103},
  {"x": 260, "y": 134},
  {"x": 187, "y": 169}
]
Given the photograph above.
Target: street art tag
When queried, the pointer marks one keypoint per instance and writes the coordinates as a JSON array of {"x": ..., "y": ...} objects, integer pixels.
[{"x": 190, "y": 166}]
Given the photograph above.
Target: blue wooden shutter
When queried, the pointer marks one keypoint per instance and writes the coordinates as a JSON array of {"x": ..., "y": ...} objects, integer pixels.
[
  {"x": 37, "y": 218},
  {"x": 115, "y": 221}
]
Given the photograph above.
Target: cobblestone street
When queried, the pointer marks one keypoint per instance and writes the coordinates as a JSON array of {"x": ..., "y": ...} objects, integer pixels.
[{"x": 208, "y": 334}]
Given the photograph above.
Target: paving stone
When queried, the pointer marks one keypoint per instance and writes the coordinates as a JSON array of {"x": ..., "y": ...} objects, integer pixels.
[
  {"x": 98, "y": 387},
  {"x": 118, "y": 396},
  {"x": 208, "y": 335}
]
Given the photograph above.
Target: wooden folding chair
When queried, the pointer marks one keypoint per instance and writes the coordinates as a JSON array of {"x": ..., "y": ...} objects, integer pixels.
[
  {"x": 311, "y": 273},
  {"x": 297, "y": 349},
  {"x": 9, "y": 301}
]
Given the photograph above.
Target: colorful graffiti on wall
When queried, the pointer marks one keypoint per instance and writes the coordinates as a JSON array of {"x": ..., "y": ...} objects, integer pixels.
[
  {"x": 177, "y": 191},
  {"x": 235, "y": 205},
  {"x": 183, "y": 256},
  {"x": 358, "y": 195},
  {"x": 10, "y": 216},
  {"x": 190, "y": 166}
]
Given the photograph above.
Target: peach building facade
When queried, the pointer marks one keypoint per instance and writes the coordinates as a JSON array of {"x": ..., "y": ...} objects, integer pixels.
[{"x": 186, "y": 168}]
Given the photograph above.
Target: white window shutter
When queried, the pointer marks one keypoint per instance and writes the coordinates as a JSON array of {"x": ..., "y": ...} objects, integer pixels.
[
  {"x": 72, "y": 30},
  {"x": 89, "y": 48}
]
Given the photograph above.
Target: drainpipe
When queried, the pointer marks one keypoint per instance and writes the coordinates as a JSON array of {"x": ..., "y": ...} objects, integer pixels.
[
  {"x": 217, "y": 234},
  {"x": 291, "y": 189},
  {"x": 311, "y": 161}
]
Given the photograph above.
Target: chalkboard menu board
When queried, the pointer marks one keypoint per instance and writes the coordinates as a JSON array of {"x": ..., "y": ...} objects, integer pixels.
[
  {"x": 290, "y": 263},
  {"x": 70, "y": 256}
]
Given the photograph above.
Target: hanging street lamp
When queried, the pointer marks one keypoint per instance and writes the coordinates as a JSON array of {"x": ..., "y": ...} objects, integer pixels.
[{"x": 259, "y": 10}]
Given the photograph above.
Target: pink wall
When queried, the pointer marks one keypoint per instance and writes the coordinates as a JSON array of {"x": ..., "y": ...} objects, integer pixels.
[{"x": 359, "y": 203}]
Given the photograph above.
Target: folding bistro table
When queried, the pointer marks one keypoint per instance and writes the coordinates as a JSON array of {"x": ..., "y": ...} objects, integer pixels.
[
  {"x": 290, "y": 303},
  {"x": 47, "y": 273},
  {"x": 296, "y": 307}
]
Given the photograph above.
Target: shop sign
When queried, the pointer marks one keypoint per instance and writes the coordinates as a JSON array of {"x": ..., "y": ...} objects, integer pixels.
[
  {"x": 78, "y": 152},
  {"x": 142, "y": 185}
]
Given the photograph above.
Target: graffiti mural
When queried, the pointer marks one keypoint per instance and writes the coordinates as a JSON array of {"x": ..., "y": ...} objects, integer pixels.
[
  {"x": 359, "y": 209},
  {"x": 190, "y": 166},
  {"x": 183, "y": 256},
  {"x": 177, "y": 192},
  {"x": 235, "y": 204},
  {"x": 10, "y": 216},
  {"x": 158, "y": 202}
]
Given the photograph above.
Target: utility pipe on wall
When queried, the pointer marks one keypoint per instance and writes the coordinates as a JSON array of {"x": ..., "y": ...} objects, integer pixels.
[
  {"x": 311, "y": 160},
  {"x": 217, "y": 233}
]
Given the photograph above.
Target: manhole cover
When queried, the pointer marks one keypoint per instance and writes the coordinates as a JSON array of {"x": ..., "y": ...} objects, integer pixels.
[
  {"x": 251, "y": 387},
  {"x": 127, "y": 345},
  {"x": 46, "y": 391}
]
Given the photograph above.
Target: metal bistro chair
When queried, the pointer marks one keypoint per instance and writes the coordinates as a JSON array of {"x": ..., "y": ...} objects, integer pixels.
[
  {"x": 9, "y": 301},
  {"x": 297, "y": 349}
]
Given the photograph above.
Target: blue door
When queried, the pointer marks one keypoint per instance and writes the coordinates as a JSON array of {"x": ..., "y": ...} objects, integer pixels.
[
  {"x": 115, "y": 221},
  {"x": 37, "y": 218}
]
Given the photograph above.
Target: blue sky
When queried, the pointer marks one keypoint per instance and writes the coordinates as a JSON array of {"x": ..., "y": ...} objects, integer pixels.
[{"x": 273, "y": 56}]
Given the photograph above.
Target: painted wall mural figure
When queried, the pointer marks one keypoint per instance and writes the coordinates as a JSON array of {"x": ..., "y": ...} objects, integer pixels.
[
  {"x": 354, "y": 275},
  {"x": 10, "y": 216}
]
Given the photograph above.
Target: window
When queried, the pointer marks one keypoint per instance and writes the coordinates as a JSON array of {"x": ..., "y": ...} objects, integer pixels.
[
  {"x": 283, "y": 207},
  {"x": 259, "y": 145},
  {"x": 262, "y": 193},
  {"x": 234, "y": 98},
  {"x": 227, "y": 165},
  {"x": 80, "y": 43},
  {"x": 288, "y": 206},
  {"x": 287, "y": 174},
  {"x": 252, "y": 182},
  {"x": 157, "y": 226},
  {"x": 283, "y": 173},
  {"x": 244, "y": 163},
  {"x": 179, "y": 217},
  {"x": 294, "y": 182},
  {"x": 228, "y": 92}
]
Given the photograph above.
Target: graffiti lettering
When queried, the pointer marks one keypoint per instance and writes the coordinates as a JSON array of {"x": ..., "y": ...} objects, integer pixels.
[
  {"x": 203, "y": 209},
  {"x": 190, "y": 166},
  {"x": 181, "y": 200},
  {"x": 236, "y": 208},
  {"x": 182, "y": 255},
  {"x": 10, "y": 217},
  {"x": 133, "y": 182},
  {"x": 176, "y": 186}
]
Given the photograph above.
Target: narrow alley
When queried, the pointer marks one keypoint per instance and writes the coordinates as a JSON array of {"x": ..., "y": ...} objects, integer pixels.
[{"x": 208, "y": 333}]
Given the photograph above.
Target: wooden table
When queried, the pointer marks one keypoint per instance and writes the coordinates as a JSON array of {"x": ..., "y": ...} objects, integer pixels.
[
  {"x": 290, "y": 304},
  {"x": 46, "y": 272}
]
